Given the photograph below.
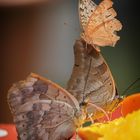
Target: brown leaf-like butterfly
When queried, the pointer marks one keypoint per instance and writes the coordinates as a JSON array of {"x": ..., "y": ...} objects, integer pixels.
[
  {"x": 91, "y": 79},
  {"x": 101, "y": 25},
  {"x": 42, "y": 110}
]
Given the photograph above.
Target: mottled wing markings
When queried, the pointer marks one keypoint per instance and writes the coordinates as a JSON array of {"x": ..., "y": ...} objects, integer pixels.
[
  {"x": 42, "y": 110},
  {"x": 86, "y": 8}
]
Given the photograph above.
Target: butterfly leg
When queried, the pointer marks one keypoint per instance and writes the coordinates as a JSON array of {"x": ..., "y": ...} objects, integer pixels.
[{"x": 90, "y": 117}]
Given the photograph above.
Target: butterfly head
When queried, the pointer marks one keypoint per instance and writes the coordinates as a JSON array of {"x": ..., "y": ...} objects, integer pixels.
[{"x": 80, "y": 117}]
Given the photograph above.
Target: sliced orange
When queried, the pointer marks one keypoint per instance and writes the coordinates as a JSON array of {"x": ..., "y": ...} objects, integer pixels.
[{"x": 130, "y": 104}]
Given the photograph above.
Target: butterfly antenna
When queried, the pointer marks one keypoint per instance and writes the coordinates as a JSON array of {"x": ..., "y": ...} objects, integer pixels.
[
  {"x": 133, "y": 83},
  {"x": 87, "y": 76},
  {"x": 101, "y": 109}
]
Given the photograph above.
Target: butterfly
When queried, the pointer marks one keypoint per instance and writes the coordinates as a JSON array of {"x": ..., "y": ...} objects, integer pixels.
[
  {"x": 101, "y": 25},
  {"x": 91, "y": 80},
  {"x": 42, "y": 110}
]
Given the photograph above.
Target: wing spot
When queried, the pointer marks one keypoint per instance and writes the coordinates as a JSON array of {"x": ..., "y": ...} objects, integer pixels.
[{"x": 76, "y": 65}]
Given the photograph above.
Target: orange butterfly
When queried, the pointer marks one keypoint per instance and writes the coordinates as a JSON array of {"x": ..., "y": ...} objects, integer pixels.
[{"x": 102, "y": 25}]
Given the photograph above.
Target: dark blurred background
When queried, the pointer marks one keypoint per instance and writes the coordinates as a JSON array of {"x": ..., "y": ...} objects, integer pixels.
[{"x": 38, "y": 36}]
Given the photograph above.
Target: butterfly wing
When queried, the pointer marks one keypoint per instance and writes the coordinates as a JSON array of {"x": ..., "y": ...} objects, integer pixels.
[
  {"x": 86, "y": 8},
  {"x": 42, "y": 110},
  {"x": 102, "y": 26},
  {"x": 91, "y": 78}
]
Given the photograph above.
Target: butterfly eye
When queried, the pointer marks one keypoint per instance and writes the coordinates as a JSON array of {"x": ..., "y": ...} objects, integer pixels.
[{"x": 64, "y": 97}]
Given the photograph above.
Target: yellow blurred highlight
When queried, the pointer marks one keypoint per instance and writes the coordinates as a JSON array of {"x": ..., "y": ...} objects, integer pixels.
[{"x": 119, "y": 129}]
